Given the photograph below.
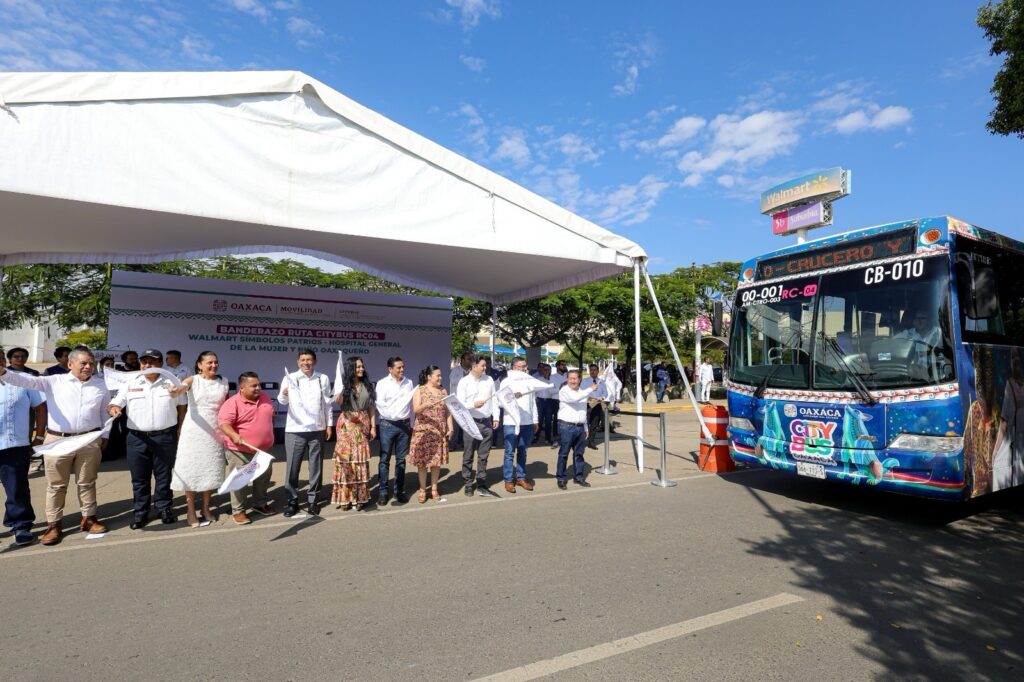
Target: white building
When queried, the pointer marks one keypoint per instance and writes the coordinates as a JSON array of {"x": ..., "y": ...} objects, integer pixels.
[{"x": 39, "y": 340}]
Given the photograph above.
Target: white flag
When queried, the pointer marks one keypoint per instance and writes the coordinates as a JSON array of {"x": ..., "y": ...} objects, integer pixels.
[
  {"x": 525, "y": 383},
  {"x": 242, "y": 476},
  {"x": 506, "y": 397},
  {"x": 460, "y": 413},
  {"x": 339, "y": 375},
  {"x": 612, "y": 384},
  {"x": 115, "y": 378},
  {"x": 71, "y": 444}
]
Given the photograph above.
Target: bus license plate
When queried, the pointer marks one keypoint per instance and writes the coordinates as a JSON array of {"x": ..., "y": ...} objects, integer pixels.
[{"x": 812, "y": 470}]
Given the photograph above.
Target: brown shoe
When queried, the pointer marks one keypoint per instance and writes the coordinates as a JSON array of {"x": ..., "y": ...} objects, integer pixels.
[
  {"x": 241, "y": 518},
  {"x": 510, "y": 487},
  {"x": 525, "y": 485},
  {"x": 91, "y": 525},
  {"x": 265, "y": 510},
  {"x": 53, "y": 535}
]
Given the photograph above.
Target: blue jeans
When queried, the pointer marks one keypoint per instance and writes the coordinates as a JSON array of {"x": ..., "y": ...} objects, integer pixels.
[
  {"x": 661, "y": 390},
  {"x": 393, "y": 436},
  {"x": 516, "y": 445},
  {"x": 546, "y": 411},
  {"x": 14, "y": 465},
  {"x": 571, "y": 437}
]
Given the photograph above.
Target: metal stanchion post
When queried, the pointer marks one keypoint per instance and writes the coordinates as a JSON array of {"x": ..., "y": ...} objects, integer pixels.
[
  {"x": 663, "y": 481},
  {"x": 607, "y": 469}
]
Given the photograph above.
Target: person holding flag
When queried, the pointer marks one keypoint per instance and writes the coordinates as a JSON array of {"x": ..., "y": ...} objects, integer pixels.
[
  {"x": 595, "y": 412},
  {"x": 394, "y": 405},
  {"x": 520, "y": 425},
  {"x": 476, "y": 393},
  {"x": 246, "y": 421},
  {"x": 572, "y": 428},
  {"x": 307, "y": 395},
  {"x": 355, "y": 430}
]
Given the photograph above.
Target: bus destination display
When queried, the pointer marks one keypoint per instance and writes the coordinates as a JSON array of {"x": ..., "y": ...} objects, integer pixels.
[{"x": 854, "y": 252}]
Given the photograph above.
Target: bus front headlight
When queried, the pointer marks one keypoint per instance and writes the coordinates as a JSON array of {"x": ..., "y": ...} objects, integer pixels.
[
  {"x": 940, "y": 444},
  {"x": 741, "y": 423}
]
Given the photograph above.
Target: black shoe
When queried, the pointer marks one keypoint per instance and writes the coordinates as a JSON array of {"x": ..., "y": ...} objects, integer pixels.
[
  {"x": 139, "y": 521},
  {"x": 592, "y": 446},
  {"x": 468, "y": 490},
  {"x": 582, "y": 484},
  {"x": 400, "y": 498},
  {"x": 561, "y": 485},
  {"x": 314, "y": 509},
  {"x": 382, "y": 501},
  {"x": 168, "y": 517},
  {"x": 484, "y": 491},
  {"x": 291, "y": 509},
  {"x": 360, "y": 506}
]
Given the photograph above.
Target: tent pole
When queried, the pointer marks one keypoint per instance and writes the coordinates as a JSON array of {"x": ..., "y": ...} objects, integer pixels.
[
  {"x": 494, "y": 329},
  {"x": 679, "y": 363},
  {"x": 637, "y": 264}
]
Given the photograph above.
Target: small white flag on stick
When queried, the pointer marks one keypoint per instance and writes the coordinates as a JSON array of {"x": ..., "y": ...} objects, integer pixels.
[
  {"x": 71, "y": 444},
  {"x": 242, "y": 476},
  {"x": 460, "y": 413},
  {"x": 339, "y": 376}
]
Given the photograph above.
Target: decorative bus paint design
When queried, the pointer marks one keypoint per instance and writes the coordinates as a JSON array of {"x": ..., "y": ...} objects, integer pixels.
[{"x": 890, "y": 356}]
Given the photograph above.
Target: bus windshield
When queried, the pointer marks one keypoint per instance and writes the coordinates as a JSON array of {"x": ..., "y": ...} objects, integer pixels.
[{"x": 884, "y": 326}]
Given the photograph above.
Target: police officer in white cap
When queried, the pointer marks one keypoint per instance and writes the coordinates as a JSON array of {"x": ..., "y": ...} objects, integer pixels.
[{"x": 154, "y": 417}]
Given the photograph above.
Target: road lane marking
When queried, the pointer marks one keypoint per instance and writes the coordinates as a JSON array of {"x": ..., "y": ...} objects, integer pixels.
[{"x": 580, "y": 657}]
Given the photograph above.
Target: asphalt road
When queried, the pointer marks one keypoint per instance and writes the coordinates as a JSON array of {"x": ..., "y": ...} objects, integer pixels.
[{"x": 750, "y": 575}]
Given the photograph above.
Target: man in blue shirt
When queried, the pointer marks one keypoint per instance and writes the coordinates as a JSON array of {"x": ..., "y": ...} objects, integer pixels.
[
  {"x": 16, "y": 406},
  {"x": 61, "y": 355}
]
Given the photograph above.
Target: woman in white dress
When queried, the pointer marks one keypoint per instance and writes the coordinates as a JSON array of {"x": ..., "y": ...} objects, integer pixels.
[{"x": 199, "y": 465}]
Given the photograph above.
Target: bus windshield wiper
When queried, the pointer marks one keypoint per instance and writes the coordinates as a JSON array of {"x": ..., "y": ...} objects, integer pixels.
[
  {"x": 862, "y": 389},
  {"x": 759, "y": 391}
]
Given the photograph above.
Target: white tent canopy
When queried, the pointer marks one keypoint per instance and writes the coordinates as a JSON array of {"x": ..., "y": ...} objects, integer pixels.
[{"x": 144, "y": 167}]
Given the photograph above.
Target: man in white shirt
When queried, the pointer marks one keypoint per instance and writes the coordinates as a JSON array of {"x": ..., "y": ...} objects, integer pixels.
[
  {"x": 174, "y": 366},
  {"x": 558, "y": 379},
  {"x": 394, "y": 409},
  {"x": 454, "y": 377},
  {"x": 76, "y": 404},
  {"x": 476, "y": 392},
  {"x": 547, "y": 404},
  {"x": 154, "y": 417},
  {"x": 572, "y": 428},
  {"x": 307, "y": 395},
  {"x": 595, "y": 413},
  {"x": 514, "y": 467},
  {"x": 706, "y": 377}
]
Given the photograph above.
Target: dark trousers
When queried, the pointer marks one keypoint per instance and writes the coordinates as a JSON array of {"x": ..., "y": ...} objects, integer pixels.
[
  {"x": 595, "y": 421},
  {"x": 482, "y": 448},
  {"x": 455, "y": 442},
  {"x": 18, "y": 513},
  {"x": 308, "y": 444},
  {"x": 394, "y": 438},
  {"x": 571, "y": 437},
  {"x": 547, "y": 409},
  {"x": 151, "y": 456}
]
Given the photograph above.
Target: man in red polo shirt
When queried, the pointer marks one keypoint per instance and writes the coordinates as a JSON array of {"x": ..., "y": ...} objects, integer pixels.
[{"x": 247, "y": 421}]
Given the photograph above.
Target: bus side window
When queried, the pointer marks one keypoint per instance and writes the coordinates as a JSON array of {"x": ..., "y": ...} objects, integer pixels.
[{"x": 978, "y": 294}]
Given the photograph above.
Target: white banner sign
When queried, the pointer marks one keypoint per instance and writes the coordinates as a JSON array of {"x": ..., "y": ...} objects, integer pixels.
[
  {"x": 260, "y": 327},
  {"x": 242, "y": 476},
  {"x": 64, "y": 447},
  {"x": 460, "y": 413}
]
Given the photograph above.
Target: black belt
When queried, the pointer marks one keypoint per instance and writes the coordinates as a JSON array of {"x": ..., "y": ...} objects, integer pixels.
[
  {"x": 62, "y": 434},
  {"x": 137, "y": 432},
  {"x": 396, "y": 422},
  {"x": 562, "y": 421}
]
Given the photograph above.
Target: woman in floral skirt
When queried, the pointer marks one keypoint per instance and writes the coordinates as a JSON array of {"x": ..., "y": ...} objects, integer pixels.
[
  {"x": 355, "y": 430},
  {"x": 428, "y": 448}
]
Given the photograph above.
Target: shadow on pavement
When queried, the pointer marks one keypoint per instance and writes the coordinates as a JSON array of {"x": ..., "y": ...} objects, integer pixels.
[{"x": 936, "y": 588}]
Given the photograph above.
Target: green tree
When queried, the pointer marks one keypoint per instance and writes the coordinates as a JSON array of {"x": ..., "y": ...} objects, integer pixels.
[
  {"x": 92, "y": 338},
  {"x": 534, "y": 322},
  {"x": 1003, "y": 23}
]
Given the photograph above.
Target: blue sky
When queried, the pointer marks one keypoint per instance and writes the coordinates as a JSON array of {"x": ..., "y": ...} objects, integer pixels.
[{"x": 659, "y": 120}]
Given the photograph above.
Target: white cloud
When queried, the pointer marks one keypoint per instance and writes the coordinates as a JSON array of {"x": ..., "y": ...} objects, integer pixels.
[
  {"x": 956, "y": 69},
  {"x": 872, "y": 118},
  {"x": 303, "y": 28},
  {"x": 512, "y": 147},
  {"x": 727, "y": 181},
  {"x": 741, "y": 142},
  {"x": 475, "y": 64},
  {"x": 474, "y": 130},
  {"x": 693, "y": 180},
  {"x": 628, "y": 204},
  {"x": 682, "y": 130},
  {"x": 252, "y": 7},
  {"x": 576, "y": 149},
  {"x": 629, "y": 59},
  {"x": 199, "y": 49},
  {"x": 471, "y": 11}
]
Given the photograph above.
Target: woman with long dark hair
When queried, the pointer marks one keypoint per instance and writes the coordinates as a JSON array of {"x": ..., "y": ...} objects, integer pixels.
[
  {"x": 199, "y": 463},
  {"x": 428, "y": 448},
  {"x": 355, "y": 430}
]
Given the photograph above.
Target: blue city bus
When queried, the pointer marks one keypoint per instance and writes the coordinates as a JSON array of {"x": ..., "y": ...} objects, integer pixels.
[{"x": 889, "y": 356}]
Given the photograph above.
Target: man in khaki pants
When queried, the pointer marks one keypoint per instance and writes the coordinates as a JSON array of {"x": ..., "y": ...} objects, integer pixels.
[{"x": 76, "y": 404}]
